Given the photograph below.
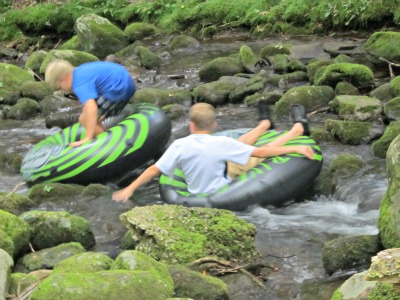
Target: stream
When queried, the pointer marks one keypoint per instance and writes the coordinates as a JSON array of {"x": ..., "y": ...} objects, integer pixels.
[{"x": 290, "y": 238}]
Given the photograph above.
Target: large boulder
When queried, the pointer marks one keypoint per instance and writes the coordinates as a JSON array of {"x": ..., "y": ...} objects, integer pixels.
[
  {"x": 176, "y": 234},
  {"x": 248, "y": 59},
  {"x": 384, "y": 45},
  {"x": 17, "y": 230},
  {"x": 84, "y": 262},
  {"x": 357, "y": 108},
  {"x": 380, "y": 146},
  {"x": 139, "y": 30},
  {"x": 148, "y": 59},
  {"x": 15, "y": 203},
  {"x": 392, "y": 109},
  {"x": 218, "y": 67},
  {"x": 98, "y": 36},
  {"x": 183, "y": 42},
  {"x": 35, "y": 90},
  {"x": 215, "y": 93},
  {"x": 24, "y": 109},
  {"x": 6, "y": 263}
]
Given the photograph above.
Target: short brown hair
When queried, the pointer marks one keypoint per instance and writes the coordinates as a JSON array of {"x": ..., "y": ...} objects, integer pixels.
[
  {"x": 203, "y": 116},
  {"x": 55, "y": 71}
]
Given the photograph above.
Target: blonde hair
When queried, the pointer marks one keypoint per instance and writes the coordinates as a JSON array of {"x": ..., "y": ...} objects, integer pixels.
[
  {"x": 203, "y": 116},
  {"x": 55, "y": 71}
]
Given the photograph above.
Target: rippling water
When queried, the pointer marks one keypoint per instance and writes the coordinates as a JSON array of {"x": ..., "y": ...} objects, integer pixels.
[{"x": 290, "y": 238}]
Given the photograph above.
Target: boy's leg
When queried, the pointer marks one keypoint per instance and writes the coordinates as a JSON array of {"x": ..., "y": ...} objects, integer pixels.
[{"x": 265, "y": 123}]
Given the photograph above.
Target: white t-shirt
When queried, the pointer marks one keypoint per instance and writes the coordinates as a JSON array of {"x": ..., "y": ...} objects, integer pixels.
[{"x": 202, "y": 158}]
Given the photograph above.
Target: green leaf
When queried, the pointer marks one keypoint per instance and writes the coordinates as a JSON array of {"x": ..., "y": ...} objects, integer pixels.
[
  {"x": 1, "y": 84},
  {"x": 47, "y": 188}
]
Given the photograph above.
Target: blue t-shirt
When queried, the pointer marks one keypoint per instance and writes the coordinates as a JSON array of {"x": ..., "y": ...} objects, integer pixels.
[{"x": 110, "y": 80}]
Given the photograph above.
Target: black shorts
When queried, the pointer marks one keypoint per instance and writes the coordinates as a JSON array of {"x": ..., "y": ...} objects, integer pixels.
[{"x": 107, "y": 108}]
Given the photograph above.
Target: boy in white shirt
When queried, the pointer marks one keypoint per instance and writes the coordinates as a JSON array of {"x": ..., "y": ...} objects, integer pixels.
[{"x": 203, "y": 158}]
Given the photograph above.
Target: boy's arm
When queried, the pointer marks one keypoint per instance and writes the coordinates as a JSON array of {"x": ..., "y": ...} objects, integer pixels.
[
  {"x": 124, "y": 194},
  {"x": 88, "y": 120},
  {"x": 273, "y": 151}
]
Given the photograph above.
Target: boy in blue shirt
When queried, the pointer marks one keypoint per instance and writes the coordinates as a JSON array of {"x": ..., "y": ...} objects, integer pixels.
[{"x": 104, "y": 89}]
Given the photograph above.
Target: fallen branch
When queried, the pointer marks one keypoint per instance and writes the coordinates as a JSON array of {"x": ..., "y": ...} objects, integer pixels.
[
  {"x": 15, "y": 188},
  {"x": 390, "y": 66}
]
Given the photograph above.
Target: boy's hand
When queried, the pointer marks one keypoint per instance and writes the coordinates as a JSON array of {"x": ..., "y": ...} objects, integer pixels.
[
  {"x": 122, "y": 195},
  {"x": 78, "y": 143}
]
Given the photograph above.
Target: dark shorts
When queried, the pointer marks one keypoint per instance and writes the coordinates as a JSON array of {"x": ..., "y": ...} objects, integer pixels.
[{"x": 108, "y": 108}]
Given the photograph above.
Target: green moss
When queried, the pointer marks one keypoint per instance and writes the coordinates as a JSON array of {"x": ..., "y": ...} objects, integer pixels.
[
  {"x": 21, "y": 282},
  {"x": 221, "y": 66},
  {"x": 162, "y": 96},
  {"x": 383, "y": 44},
  {"x": 88, "y": 262},
  {"x": 346, "y": 163},
  {"x": 6, "y": 243},
  {"x": 349, "y": 132},
  {"x": 139, "y": 30},
  {"x": 11, "y": 78},
  {"x": 395, "y": 85},
  {"x": 148, "y": 59},
  {"x": 384, "y": 291},
  {"x": 17, "y": 230},
  {"x": 53, "y": 192},
  {"x": 178, "y": 234},
  {"x": 271, "y": 50},
  {"x": 379, "y": 147},
  {"x": 35, "y": 60},
  {"x": 15, "y": 203},
  {"x": 337, "y": 295}
]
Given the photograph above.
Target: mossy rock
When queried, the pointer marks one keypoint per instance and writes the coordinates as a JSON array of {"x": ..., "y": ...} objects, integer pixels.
[
  {"x": 182, "y": 42},
  {"x": 385, "y": 267},
  {"x": 383, "y": 92},
  {"x": 383, "y": 45},
  {"x": 162, "y": 97},
  {"x": 356, "y": 287},
  {"x": 253, "y": 85},
  {"x": 215, "y": 93},
  {"x": 389, "y": 212},
  {"x": 51, "y": 228},
  {"x": 10, "y": 162},
  {"x": 110, "y": 285},
  {"x": 357, "y": 108},
  {"x": 95, "y": 190},
  {"x": 314, "y": 66},
  {"x": 346, "y": 163},
  {"x": 139, "y": 30},
  {"x": 148, "y": 59},
  {"x": 358, "y": 75},
  {"x": 15, "y": 203},
  {"x": 395, "y": 85},
  {"x": 35, "y": 90},
  {"x": 6, "y": 243},
  {"x": 47, "y": 258},
  {"x": 269, "y": 97},
  {"x": 293, "y": 77},
  {"x": 309, "y": 96},
  {"x": 21, "y": 282},
  {"x": 346, "y": 88},
  {"x": 176, "y": 234},
  {"x": 296, "y": 65},
  {"x": 221, "y": 66},
  {"x": 54, "y": 192},
  {"x": 72, "y": 44},
  {"x": 279, "y": 63},
  {"x": 11, "y": 78},
  {"x": 6, "y": 264},
  {"x": 194, "y": 285},
  {"x": 17, "y": 230},
  {"x": 380, "y": 147},
  {"x": 87, "y": 262},
  {"x": 271, "y": 50},
  {"x": 35, "y": 60},
  {"x": 349, "y": 252},
  {"x": 350, "y": 132},
  {"x": 75, "y": 57},
  {"x": 248, "y": 58},
  {"x": 392, "y": 109},
  {"x": 25, "y": 109}
]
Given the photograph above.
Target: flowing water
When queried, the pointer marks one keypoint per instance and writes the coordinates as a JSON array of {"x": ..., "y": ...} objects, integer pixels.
[{"x": 290, "y": 238}]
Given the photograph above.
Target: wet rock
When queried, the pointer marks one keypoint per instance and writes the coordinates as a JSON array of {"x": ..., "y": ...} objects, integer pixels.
[
  {"x": 342, "y": 58},
  {"x": 47, "y": 258},
  {"x": 63, "y": 119},
  {"x": 308, "y": 51},
  {"x": 380, "y": 147},
  {"x": 194, "y": 285},
  {"x": 84, "y": 262},
  {"x": 314, "y": 66},
  {"x": 346, "y": 253},
  {"x": 52, "y": 228},
  {"x": 10, "y": 162},
  {"x": 296, "y": 65},
  {"x": 11, "y": 79},
  {"x": 357, "y": 108},
  {"x": 354, "y": 132},
  {"x": 395, "y": 85},
  {"x": 139, "y": 30},
  {"x": 8, "y": 53},
  {"x": 177, "y": 234},
  {"x": 57, "y": 102},
  {"x": 176, "y": 111},
  {"x": 95, "y": 190},
  {"x": 385, "y": 267},
  {"x": 221, "y": 66}
]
